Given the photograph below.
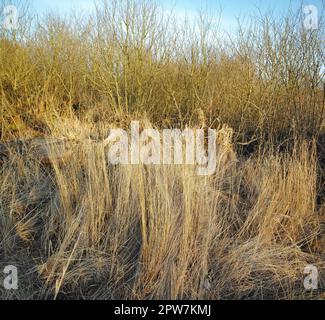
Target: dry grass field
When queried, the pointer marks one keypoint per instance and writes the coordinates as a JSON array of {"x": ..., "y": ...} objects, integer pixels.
[{"x": 78, "y": 227}]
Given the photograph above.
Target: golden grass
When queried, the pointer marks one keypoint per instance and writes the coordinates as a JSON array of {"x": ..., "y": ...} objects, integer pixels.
[
  {"x": 86, "y": 229},
  {"x": 82, "y": 228}
]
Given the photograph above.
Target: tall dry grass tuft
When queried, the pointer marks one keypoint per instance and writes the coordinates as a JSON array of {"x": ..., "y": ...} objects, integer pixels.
[{"x": 87, "y": 229}]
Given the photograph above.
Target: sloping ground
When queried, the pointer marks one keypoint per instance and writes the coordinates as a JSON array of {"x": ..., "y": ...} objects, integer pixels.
[{"x": 80, "y": 228}]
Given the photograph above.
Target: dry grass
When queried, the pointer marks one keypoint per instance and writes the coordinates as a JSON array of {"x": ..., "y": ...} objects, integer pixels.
[
  {"x": 82, "y": 228},
  {"x": 86, "y": 229}
]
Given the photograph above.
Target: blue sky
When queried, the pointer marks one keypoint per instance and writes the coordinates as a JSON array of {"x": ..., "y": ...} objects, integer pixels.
[{"x": 230, "y": 9}]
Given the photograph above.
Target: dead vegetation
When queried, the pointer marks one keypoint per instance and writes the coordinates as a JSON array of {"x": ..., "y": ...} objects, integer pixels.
[
  {"x": 78, "y": 227},
  {"x": 90, "y": 230}
]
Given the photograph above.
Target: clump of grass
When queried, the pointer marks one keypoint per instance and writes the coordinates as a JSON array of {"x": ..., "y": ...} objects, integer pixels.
[{"x": 93, "y": 230}]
